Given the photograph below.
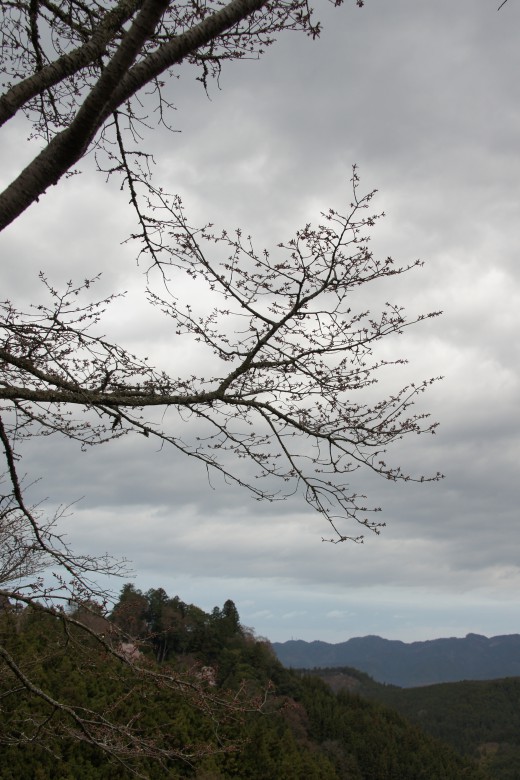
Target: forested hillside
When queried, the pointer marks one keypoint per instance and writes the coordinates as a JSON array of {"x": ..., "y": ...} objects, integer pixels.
[
  {"x": 219, "y": 697},
  {"x": 480, "y": 719}
]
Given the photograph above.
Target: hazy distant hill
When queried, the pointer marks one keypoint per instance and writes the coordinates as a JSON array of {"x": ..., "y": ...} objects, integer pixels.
[{"x": 419, "y": 663}]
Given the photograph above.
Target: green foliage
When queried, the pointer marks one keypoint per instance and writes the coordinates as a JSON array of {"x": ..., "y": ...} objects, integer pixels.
[
  {"x": 479, "y": 718},
  {"x": 376, "y": 741},
  {"x": 302, "y": 731}
]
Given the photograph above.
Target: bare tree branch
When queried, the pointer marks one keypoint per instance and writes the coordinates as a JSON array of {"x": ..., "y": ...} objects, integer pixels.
[
  {"x": 119, "y": 81},
  {"x": 291, "y": 391},
  {"x": 289, "y": 377}
]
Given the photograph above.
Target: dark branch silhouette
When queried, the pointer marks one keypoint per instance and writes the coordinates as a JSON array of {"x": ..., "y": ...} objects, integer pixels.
[{"x": 294, "y": 359}]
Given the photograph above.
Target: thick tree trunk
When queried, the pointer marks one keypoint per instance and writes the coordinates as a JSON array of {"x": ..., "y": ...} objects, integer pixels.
[{"x": 118, "y": 82}]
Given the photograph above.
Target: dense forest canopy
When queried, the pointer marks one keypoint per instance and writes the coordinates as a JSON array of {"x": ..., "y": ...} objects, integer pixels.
[{"x": 220, "y": 706}]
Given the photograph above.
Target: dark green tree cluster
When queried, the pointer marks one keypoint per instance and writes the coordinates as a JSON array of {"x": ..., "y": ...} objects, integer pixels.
[
  {"x": 211, "y": 698},
  {"x": 170, "y": 628},
  {"x": 369, "y": 740},
  {"x": 479, "y": 718},
  {"x": 121, "y": 716}
]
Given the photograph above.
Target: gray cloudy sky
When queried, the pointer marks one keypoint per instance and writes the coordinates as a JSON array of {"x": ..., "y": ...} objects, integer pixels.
[{"x": 425, "y": 98}]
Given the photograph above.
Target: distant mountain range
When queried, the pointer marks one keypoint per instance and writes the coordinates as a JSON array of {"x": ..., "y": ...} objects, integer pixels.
[{"x": 408, "y": 665}]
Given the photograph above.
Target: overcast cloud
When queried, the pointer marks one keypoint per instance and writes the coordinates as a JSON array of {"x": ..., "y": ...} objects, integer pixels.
[{"x": 425, "y": 98}]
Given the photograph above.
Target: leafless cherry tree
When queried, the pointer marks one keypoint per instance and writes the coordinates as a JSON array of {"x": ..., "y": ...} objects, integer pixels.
[{"x": 293, "y": 361}]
